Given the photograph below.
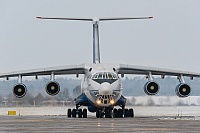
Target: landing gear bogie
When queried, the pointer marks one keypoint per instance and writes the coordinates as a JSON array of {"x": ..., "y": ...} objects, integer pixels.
[{"x": 77, "y": 113}]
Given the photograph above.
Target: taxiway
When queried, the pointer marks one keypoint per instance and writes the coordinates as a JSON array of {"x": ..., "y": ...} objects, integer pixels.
[
  {"x": 61, "y": 124},
  {"x": 147, "y": 119}
]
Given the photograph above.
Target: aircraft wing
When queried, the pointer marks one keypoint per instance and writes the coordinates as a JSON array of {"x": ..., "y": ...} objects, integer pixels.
[
  {"x": 60, "y": 70},
  {"x": 131, "y": 69}
]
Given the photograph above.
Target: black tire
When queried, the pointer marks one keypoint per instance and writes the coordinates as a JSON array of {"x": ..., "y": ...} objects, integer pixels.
[
  {"x": 74, "y": 113},
  {"x": 98, "y": 113},
  {"x": 84, "y": 113},
  {"x": 108, "y": 113},
  {"x": 120, "y": 113},
  {"x": 126, "y": 113},
  {"x": 115, "y": 113},
  {"x": 131, "y": 112},
  {"x": 69, "y": 113},
  {"x": 80, "y": 113}
]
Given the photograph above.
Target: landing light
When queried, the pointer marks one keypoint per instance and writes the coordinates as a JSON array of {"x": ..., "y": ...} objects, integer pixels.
[
  {"x": 112, "y": 101},
  {"x": 98, "y": 102}
]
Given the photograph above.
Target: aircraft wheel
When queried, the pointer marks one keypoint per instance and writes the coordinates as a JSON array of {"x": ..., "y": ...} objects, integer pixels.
[
  {"x": 84, "y": 113},
  {"x": 131, "y": 112},
  {"x": 108, "y": 113},
  {"x": 120, "y": 113},
  {"x": 126, "y": 113},
  {"x": 69, "y": 113},
  {"x": 98, "y": 113},
  {"x": 74, "y": 113},
  {"x": 80, "y": 113},
  {"x": 101, "y": 114},
  {"x": 115, "y": 113}
]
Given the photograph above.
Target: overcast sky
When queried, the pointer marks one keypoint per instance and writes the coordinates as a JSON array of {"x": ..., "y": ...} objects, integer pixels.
[{"x": 170, "y": 40}]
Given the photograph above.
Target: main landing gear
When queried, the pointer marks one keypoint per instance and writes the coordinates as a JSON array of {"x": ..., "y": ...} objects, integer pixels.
[
  {"x": 80, "y": 113},
  {"x": 101, "y": 113}
]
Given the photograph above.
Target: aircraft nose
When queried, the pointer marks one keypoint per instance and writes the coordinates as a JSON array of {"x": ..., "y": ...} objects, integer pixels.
[{"x": 105, "y": 89}]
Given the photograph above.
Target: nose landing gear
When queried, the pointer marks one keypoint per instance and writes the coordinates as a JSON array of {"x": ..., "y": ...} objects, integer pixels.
[{"x": 105, "y": 112}]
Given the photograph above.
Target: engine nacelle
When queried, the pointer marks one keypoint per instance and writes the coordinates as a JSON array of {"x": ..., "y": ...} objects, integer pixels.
[
  {"x": 19, "y": 90},
  {"x": 151, "y": 88},
  {"x": 183, "y": 90},
  {"x": 52, "y": 88}
]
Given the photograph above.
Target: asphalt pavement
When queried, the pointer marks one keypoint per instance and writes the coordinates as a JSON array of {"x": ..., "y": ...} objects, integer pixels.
[{"x": 61, "y": 124}]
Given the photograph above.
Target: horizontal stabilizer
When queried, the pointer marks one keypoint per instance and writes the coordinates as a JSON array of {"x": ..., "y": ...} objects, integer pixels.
[
  {"x": 107, "y": 19},
  {"x": 95, "y": 18},
  {"x": 81, "y": 19}
]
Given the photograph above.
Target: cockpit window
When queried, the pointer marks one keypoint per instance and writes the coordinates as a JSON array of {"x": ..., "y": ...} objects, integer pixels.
[
  {"x": 100, "y": 76},
  {"x": 110, "y": 76},
  {"x": 105, "y": 77}
]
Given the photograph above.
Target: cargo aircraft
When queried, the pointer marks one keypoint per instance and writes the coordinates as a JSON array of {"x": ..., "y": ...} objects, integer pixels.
[{"x": 101, "y": 86}]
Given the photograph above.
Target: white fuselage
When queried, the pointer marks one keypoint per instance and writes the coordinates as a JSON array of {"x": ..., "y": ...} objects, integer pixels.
[{"x": 101, "y": 85}]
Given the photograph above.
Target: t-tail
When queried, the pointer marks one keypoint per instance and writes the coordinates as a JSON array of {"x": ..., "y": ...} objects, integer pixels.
[{"x": 95, "y": 21}]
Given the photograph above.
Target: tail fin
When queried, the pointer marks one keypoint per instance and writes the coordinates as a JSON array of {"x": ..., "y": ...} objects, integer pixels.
[{"x": 95, "y": 20}]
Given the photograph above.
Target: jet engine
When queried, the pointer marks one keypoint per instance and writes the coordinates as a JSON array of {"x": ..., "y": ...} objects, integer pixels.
[
  {"x": 19, "y": 90},
  {"x": 183, "y": 90},
  {"x": 52, "y": 88},
  {"x": 151, "y": 88}
]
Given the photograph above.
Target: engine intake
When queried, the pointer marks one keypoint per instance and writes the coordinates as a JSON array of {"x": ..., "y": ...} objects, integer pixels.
[
  {"x": 151, "y": 88},
  {"x": 52, "y": 88},
  {"x": 19, "y": 90},
  {"x": 183, "y": 90}
]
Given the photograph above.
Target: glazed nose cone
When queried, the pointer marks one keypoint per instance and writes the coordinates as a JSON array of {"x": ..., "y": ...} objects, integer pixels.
[{"x": 105, "y": 89}]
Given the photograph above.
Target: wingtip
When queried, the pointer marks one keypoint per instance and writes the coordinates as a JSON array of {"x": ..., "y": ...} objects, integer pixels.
[
  {"x": 151, "y": 17},
  {"x": 38, "y": 17}
]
